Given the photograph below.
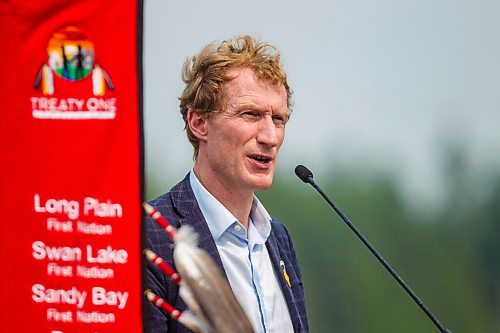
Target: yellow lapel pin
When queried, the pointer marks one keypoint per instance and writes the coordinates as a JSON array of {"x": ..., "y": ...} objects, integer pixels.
[{"x": 285, "y": 274}]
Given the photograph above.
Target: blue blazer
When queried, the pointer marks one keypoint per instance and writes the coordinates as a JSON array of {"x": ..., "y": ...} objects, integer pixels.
[{"x": 180, "y": 207}]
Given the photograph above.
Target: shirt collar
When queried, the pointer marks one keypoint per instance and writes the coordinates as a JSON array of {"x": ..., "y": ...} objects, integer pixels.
[{"x": 219, "y": 219}]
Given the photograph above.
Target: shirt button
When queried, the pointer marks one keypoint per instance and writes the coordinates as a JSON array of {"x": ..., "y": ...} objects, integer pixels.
[{"x": 237, "y": 228}]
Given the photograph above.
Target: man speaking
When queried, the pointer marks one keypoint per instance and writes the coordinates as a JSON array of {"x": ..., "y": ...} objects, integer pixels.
[{"x": 235, "y": 106}]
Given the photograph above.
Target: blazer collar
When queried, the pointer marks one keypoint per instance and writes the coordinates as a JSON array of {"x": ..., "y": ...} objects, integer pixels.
[{"x": 184, "y": 202}]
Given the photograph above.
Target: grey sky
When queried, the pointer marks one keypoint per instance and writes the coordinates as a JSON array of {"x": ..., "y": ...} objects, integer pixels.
[{"x": 379, "y": 85}]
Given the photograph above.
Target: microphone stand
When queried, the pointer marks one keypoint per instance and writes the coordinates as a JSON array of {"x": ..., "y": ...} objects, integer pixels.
[{"x": 307, "y": 177}]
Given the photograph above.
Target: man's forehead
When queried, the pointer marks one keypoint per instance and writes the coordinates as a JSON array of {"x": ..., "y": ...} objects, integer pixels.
[{"x": 245, "y": 79}]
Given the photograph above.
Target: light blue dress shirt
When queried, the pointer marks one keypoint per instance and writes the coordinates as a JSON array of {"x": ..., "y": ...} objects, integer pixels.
[{"x": 246, "y": 261}]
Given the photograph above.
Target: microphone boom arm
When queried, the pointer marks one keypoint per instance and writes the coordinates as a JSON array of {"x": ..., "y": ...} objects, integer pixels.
[{"x": 307, "y": 177}]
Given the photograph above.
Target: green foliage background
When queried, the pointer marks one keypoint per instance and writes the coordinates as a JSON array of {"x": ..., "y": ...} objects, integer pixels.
[{"x": 450, "y": 256}]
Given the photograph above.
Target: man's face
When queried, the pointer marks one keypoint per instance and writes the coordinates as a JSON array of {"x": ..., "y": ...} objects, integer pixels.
[{"x": 243, "y": 139}]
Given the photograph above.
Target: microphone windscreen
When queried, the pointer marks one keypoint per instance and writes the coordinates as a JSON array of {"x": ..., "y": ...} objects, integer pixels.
[{"x": 303, "y": 173}]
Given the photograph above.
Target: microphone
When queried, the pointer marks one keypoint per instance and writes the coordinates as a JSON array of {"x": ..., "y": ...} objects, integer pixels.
[
  {"x": 304, "y": 174},
  {"x": 307, "y": 177}
]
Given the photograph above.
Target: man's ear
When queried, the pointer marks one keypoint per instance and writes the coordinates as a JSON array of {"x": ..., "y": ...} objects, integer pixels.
[{"x": 197, "y": 124}]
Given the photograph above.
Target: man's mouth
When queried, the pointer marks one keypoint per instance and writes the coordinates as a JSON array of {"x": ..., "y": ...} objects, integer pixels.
[{"x": 261, "y": 158}]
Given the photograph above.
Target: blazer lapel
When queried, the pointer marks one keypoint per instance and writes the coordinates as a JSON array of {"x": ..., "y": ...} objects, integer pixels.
[
  {"x": 185, "y": 203},
  {"x": 278, "y": 254}
]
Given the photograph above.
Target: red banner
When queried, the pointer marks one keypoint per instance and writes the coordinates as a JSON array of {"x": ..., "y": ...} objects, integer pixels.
[{"x": 71, "y": 166}]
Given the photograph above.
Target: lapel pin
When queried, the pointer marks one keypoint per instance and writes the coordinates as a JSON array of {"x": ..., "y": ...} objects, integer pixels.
[{"x": 285, "y": 274}]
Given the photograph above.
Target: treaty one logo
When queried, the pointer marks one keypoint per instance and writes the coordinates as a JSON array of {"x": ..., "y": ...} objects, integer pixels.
[{"x": 73, "y": 85}]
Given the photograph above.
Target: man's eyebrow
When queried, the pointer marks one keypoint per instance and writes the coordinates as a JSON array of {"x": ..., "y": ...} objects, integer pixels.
[
  {"x": 247, "y": 104},
  {"x": 257, "y": 106}
]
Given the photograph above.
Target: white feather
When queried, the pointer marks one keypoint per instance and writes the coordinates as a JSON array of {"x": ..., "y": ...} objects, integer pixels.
[
  {"x": 193, "y": 322},
  {"x": 186, "y": 235}
]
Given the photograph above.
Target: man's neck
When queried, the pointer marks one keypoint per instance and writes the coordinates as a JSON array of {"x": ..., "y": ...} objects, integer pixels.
[{"x": 238, "y": 202}]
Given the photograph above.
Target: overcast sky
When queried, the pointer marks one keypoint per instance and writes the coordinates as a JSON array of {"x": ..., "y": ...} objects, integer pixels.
[{"x": 378, "y": 85}]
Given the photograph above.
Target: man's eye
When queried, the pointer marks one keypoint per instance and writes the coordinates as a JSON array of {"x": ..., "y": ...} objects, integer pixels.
[
  {"x": 251, "y": 114},
  {"x": 278, "y": 120}
]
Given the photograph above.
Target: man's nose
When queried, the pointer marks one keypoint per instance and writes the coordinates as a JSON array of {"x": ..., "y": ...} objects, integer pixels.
[{"x": 267, "y": 132}]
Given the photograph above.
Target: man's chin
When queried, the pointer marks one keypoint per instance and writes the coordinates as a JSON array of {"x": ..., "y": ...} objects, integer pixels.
[{"x": 262, "y": 183}]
